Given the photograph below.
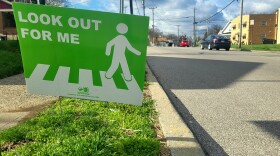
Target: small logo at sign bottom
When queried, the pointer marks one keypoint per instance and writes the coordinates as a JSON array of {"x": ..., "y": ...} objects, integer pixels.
[{"x": 83, "y": 91}]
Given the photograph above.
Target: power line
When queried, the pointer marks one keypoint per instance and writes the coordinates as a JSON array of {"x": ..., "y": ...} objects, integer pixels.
[
  {"x": 158, "y": 15},
  {"x": 159, "y": 11},
  {"x": 217, "y": 12},
  {"x": 168, "y": 19}
]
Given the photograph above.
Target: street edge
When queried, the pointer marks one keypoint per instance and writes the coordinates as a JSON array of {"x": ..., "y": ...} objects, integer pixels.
[{"x": 180, "y": 140}]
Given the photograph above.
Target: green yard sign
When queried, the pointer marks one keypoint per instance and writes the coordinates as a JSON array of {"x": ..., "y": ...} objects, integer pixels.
[{"x": 81, "y": 53}]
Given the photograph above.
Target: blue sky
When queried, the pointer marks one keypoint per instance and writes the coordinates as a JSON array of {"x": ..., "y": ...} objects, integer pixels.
[{"x": 168, "y": 10}]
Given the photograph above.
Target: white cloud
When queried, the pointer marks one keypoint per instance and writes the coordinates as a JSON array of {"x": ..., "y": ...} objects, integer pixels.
[
  {"x": 81, "y": 2},
  {"x": 168, "y": 10},
  {"x": 252, "y": 7},
  {"x": 261, "y": 6},
  {"x": 109, "y": 5}
]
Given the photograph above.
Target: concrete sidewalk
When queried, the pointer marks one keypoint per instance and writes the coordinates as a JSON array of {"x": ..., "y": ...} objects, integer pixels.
[
  {"x": 16, "y": 104},
  {"x": 180, "y": 139}
]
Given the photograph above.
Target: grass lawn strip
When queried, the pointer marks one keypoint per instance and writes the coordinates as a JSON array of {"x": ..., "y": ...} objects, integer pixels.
[
  {"x": 259, "y": 47},
  {"x": 85, "y": 128}
]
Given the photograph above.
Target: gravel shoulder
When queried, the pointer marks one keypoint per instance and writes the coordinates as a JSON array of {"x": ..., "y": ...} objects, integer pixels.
[{"x": 16, "y": 104}]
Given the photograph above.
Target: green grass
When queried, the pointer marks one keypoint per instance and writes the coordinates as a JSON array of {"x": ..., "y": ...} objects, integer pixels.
[
  {"x": 10, "y": 64},
  {"x": 10, "y": 45},
  {"x": 85, "y": 128},
  {"x": 260, "y": 47},
  {"x": 10, "y": 59}
]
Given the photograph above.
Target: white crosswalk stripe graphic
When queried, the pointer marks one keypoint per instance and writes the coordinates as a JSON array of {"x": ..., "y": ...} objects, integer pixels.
[{"x": 84, "y": 89}]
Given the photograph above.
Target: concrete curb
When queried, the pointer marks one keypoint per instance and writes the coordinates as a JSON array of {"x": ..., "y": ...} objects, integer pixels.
[
  {"x": 259, "y": 51},
  {"x": 180, "y": 139}
]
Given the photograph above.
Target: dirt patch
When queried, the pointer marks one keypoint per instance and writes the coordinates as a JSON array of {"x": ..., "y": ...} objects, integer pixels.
[
  {"x": 7, "y": 146},
  {"x": 33, "y": 110}
]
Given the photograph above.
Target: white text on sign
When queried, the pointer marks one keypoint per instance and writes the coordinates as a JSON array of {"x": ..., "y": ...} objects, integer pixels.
[{"x": 55, "y": 20}]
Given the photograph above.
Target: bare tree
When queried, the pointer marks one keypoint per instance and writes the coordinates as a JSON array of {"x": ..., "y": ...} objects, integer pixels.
[
  {"x": 214, "y": 29},
  {"x": 183, "y": 37},
  {"x": 205, "y": 35},
  {"x": 64, "y": 3},
  {"x": 171, "y": 37},
  {"x": 157, "y": 33}
]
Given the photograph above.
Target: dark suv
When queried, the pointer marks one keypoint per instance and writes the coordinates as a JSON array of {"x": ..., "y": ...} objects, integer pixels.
[{"x": 216, "y": 42}]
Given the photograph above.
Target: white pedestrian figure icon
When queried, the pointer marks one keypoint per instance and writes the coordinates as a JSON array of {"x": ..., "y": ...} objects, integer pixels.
[{"x": 121, "y": 43}]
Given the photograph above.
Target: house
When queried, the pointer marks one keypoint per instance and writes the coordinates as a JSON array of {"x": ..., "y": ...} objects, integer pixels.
[
  {"x": 161, "y": 41},
  {"x": 7, "y": 22},
  {"x": 255, "y": 28},
  {"x": 226, "y": 31}
]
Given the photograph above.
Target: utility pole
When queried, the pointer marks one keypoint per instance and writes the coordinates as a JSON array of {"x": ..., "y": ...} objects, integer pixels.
[
  {"x": 178, "y": 32},
  {"x": 131, "y": 6},
  {"x": 241, "y": 16},
  {"x": 39, "y": 2},
  {"x": 153, "y": 9},
  {"x": 143, "y": 3},
  {"x": 207, "y": 21},
  {"x": 121, "y": 6},
  {"x": 194, "y": 31}
]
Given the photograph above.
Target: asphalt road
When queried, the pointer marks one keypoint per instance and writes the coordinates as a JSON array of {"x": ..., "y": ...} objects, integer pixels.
[{"x": 230, "y": 100}]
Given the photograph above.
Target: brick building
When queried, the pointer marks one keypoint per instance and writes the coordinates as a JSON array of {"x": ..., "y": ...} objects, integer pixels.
[
  {"x": 255, "y": 28},
  {"x": 7, "y": 22}
]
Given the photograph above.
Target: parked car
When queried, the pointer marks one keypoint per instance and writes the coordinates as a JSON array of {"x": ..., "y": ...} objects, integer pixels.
[
  {"x": 184, "y": 43},
  {"x": 3, "y": 38},
  {"x": 216, "y": 42},
  {"x": 169, "y": 43},
  {"x": 268, "y": 41}
]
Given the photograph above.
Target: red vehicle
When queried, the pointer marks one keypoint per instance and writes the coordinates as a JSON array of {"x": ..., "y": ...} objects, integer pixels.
[{"x": 184, "y": 43}]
